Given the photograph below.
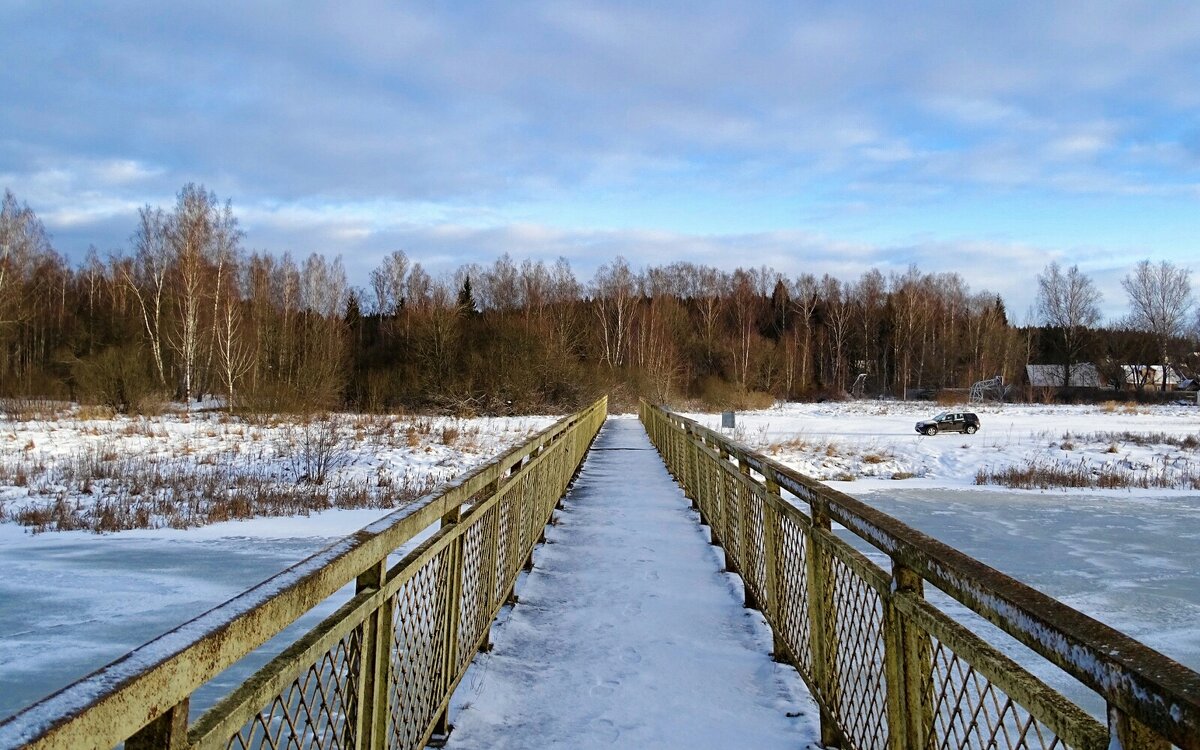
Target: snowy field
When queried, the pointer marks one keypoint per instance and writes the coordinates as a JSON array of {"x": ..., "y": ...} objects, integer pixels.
[
  {"x": 71, "y": 601},
  {"x": 872, "y": 445}
]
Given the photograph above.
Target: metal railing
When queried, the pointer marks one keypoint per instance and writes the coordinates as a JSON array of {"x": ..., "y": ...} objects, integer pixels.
[
  {"x": 887, "y": 667},
  {"x": 377, "y": 673}
]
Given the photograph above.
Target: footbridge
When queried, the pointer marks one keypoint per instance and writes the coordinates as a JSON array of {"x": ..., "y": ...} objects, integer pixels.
[{"x": 581, "y": 656}]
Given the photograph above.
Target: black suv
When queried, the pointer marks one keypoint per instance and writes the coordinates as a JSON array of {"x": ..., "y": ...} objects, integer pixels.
[{"x": 950, "y": 421}]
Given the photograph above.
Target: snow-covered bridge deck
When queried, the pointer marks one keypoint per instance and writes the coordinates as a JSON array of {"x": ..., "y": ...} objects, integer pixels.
[{"x": 628, "y": 633}]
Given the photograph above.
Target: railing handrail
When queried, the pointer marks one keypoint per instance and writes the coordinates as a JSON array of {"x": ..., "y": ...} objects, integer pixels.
[
  {"x": 110, "y": 704},
  {"x": 1145, "y": 684}
]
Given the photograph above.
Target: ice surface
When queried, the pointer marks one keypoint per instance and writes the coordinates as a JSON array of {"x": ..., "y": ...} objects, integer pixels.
[
  {"x": 72, "y": 602},
  {"x": 627, "y": 632},
  {"x": 1130, "y": 561}
]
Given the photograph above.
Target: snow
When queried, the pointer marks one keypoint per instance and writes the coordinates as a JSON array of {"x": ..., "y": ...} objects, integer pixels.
[
  {"x": 627, "y": 632},
  {"x": 864, "y": 446},
  {"x": 176, "y": 468}
]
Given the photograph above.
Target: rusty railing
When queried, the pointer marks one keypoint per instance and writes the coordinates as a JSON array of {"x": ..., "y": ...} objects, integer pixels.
[
  {"x": 377, "y": 673},
  {"x": 887, "y": 667}
]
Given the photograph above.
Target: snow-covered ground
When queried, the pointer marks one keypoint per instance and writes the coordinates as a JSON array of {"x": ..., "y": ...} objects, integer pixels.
[
  {"x": 71, "y": 601},
  {"x": 870, "y": 445},
  {"x": 190, "y": 470}
]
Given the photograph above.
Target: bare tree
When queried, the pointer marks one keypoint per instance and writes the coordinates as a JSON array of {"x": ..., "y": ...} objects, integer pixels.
[
  {"x": 1159, "y": 300},
  {"x": 1070, "y": 303},
  {"x": 147, "y": 278},
  {"x": 190, "y": 237},
  {"x": 804, "y": 297},
  {"x": 839, "y": 309},
  {"x": 613, "y": 298},
  {"x": 387, "y": 282},
  {"x": 234, "y": 356},
  {"x": 563, "y": 295},
  {"x": 22, "y": 240}
]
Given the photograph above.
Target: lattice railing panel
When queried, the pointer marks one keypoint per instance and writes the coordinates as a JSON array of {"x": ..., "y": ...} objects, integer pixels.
[
  {"x": 970, "y": 711},
  {"x": 478, "y": 589},
  {"x": 418, "y": 667},
  {"x": 860, "y": 702},
  {"x": 753, "y": 562},
  {"x": 791, "y": 579},
  {"x": 731, "y": 537},
  {"x": 316, "y": 711}
]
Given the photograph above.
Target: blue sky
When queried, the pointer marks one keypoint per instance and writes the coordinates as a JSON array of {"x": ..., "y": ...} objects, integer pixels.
[{"x": 985, "y": 138}]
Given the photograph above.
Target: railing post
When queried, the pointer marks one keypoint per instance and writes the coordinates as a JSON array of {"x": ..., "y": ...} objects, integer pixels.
[
  {"x": 374, "y": 672},
  {"x": 1131, "y": 734},
  {"x": 908, "y": 667},
  {"x": 694, "y": 451},
  {"x": 746, "y": 563},
  {"x": 720, "y": 524},
  {"x": 774, "y": 608},
  {"x": 167, "y": 732},
  {"x": 822, "y": 619},
  {"x": 452, "y": 590}
]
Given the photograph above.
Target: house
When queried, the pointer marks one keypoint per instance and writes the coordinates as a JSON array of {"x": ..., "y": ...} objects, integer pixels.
[
  {"x": 1083, "y": 375},
  {"x": 1150, "y": 377}
]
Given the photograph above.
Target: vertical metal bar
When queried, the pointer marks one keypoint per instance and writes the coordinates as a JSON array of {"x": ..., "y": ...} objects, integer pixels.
[
  {"x": 745, "y": 534},
  {"x": 822, "y": 618},
  {"x": 167, "y": 732},
  {"x": 774, "y": 601},
  {"x": 452, "y": 574},
  {"x": 374, "y": 664},
  {"x": 1131, "y": 734}
]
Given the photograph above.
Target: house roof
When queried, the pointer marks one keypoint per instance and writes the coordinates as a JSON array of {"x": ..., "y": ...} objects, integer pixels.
[
  {"x": 1083, "y": 375},
  {"x": 1149, "y": 374}
]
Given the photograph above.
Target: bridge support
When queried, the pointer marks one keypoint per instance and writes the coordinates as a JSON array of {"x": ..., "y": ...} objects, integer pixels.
[
  {"x": 167, "y": 732},
  {"x": 822, "y": 614},
  {"x": 907, "y": 663}
]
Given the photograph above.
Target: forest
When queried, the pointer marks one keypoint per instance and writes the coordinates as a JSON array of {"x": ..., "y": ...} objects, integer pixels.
[{"x": 185, "y": 311}]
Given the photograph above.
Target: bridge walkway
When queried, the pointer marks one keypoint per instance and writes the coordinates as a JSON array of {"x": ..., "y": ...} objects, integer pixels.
[{"x": 627, "y": 632}]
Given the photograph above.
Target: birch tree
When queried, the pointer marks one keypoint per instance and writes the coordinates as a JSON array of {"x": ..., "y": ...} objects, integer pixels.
[
  {"x": 1160, "y": 297},
  {"x": 1069, "y": 302}
]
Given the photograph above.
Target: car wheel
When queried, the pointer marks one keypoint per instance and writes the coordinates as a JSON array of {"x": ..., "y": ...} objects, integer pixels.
[
  {"x": 931, "y": 431},
  {"x": 970, "y": 429}
]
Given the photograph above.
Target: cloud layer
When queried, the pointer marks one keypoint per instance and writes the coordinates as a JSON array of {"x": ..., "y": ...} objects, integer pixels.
[{"x": 824, "y": 136}]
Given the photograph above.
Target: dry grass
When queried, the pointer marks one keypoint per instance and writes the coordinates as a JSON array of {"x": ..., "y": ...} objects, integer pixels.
[
  {"x": 135, "y": 473},
  {"x": 1189, "y": 442},
  {"x": 1044, "y": 474}
]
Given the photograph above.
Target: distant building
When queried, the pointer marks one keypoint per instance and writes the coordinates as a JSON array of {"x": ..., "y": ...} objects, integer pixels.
[
  {"x": 1150, "y": 377},
  {"x": 1083, "y": 375}
]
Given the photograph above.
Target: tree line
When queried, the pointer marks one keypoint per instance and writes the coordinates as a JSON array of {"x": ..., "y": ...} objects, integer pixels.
[{"x": 186, "y": 311}]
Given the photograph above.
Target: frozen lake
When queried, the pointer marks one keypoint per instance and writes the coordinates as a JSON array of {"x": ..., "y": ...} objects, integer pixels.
[
  {"x": 1130, "y": 561},
  {"x": 72, "y": 602}
]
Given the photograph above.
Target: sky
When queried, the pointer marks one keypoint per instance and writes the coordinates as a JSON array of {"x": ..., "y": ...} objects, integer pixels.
[{"x": 985, "y": 138}]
